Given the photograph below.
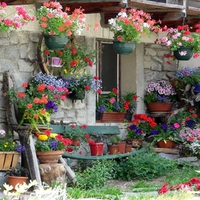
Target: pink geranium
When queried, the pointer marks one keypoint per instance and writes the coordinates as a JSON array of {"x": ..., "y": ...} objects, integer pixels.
[{"x": 20, "y": 19}]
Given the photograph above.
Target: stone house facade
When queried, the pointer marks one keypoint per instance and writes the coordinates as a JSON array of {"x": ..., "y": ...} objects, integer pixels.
[{"x": 18, "y": 53}]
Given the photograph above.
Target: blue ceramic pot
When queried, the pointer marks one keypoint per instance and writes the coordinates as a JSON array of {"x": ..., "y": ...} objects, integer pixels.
[
  {"x": 55, "y": 42},
  {"x": 196, "y": 87},
  {"x": 124, "y": 48},
  {"x": 183, "y": 53}
]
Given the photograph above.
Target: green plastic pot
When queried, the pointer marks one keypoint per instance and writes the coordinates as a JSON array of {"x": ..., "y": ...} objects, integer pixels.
[
  {"x": 124, "y": 48},
  {"x": 183, "y": 53}
]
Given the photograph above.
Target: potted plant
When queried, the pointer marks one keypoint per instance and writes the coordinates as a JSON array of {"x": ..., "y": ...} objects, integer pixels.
[
  {"x": 10, "y": 150},
  {"x": 165, "y": 135},
  {"x": 189, "y": 141},
  {"x": 182, "y": 41},
  {"x": 138, "y": 129},
  {"x": 184, "y": 117},
  {"x": 20, "y": 19},
  {"x": 77, "y": 85},
  {"x": 75, "y": 133},
  {"x": 112, "y": 109},
  {"x": 38, "y": 99},
  {"x": 96, "y": 147},
  {"x": 75, "y": 57},
  {"x": 159, "y": 96},
  {"x": 17, "y": 175},
  {"x": 130, "y": 103},
  {"x": 56, "y": 24},
  {"x": 50, "y": 146},
  {"x": 128, "y": 27},
  {"x": 113, "y": 147}
]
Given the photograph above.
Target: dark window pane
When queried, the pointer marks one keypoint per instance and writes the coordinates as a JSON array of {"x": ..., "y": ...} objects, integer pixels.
[{"x": 109, "y": 67}]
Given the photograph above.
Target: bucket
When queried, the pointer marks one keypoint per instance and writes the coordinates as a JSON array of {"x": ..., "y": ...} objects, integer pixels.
[
  {"x": 56, "y": 61},
  {"x": 96, "y": 149}
]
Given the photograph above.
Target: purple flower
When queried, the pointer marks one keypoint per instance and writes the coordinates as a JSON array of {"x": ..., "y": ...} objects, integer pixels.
[
  {"x": 132, "y": 127},
  {"x": 164, "y": 127},
  {"x": 20, "y": 149},
  {"x": 54, "y": 145},
  {"x": 154, "y": 132},
  {"x": 52, "y": 105}
]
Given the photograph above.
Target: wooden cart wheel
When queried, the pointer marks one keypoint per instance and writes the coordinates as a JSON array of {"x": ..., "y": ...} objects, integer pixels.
[{"x": 43, "y": 59}]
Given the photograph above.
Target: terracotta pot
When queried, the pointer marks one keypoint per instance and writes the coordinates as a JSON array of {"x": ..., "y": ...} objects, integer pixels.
[
  {"x": 166, "y": 144},
  {"x": 113, "y": 116},
  {"x": 121, "y": 147},
  {"x": 49, "y": 156},
  {"x": 159, "y": 107},
  {"x": 96, "y": 149},
  {"x": 14, "y": 180},
  {"x": 113, "y": 149},
  {"x": 76, "y": 142},
  {"x": 128, "y": 148}
]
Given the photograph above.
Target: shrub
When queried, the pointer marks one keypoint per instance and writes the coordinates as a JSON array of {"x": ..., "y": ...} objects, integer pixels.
[
  {"x": 144, "y": 166},
  {"x": 95, "y": 177}
]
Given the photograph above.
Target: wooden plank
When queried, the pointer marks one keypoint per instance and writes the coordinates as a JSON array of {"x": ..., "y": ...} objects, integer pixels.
[{"x": 166, "y": 150}]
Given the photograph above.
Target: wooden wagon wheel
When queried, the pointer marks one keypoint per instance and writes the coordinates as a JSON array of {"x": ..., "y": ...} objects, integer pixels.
[{"x": 43, "y": 59}]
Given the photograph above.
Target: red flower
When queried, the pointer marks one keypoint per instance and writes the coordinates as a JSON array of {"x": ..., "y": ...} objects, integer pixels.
[
  {"x": 84, "y": 126},
  {"x": 87, "y": 136},
  {"x": 163, "y": 189},
  {"x": 87, "y": 87},
  {"x": 72, "y": 125},
  {"x": 69, "y": 149},
  {"x": 115, "y": 91},
  {"x": 91, "y": 141}
]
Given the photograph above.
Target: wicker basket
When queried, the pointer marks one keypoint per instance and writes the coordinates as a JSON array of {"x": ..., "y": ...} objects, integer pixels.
[{"x": 8, "y": 160}]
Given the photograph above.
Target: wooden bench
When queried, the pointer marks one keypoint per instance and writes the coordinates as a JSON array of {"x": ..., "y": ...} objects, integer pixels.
[{"x": 96, "y": 130}]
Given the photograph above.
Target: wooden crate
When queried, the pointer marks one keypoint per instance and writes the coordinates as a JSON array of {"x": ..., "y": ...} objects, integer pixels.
[{"x": 8, "y": 160}]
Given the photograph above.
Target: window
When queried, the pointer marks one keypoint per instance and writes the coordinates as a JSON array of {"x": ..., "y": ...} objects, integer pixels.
[{"x": 108, "y": 66}]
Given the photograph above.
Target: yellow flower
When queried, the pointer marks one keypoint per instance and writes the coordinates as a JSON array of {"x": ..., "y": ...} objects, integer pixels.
[
  {"x": 43, "y": 137},
  {"x": 53, "y": 135}
]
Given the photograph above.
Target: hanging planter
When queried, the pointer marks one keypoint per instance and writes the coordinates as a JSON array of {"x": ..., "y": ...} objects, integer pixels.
[
  {"x": 55, "y": 42},
  {"x": 55, "y": 62},
  {"x": 77, "y": 95},
  {"x": 183, "y": 53},
  {"x": 124, "y": 48},
  {"x": 196, "y": 88}
]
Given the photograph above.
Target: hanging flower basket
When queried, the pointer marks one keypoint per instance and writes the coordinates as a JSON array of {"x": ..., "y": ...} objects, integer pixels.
[
  {"x": 124, "y": 48},
  {"x": 55, "y": 42},
  {"x": 77, "y": 95},
  {"x": 183, "y": 53}
]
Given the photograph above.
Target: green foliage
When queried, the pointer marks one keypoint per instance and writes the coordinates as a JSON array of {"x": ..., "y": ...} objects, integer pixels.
[
  {"x": 114, "y": 139},
  {"x": 18, "y": 171},
  {"x": 95, "y": 177},
  {"x": 144, "y": 166}
]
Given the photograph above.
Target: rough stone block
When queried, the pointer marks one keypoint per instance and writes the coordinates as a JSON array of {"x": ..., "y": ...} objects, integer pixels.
[{"x": 51, "y": 173}]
